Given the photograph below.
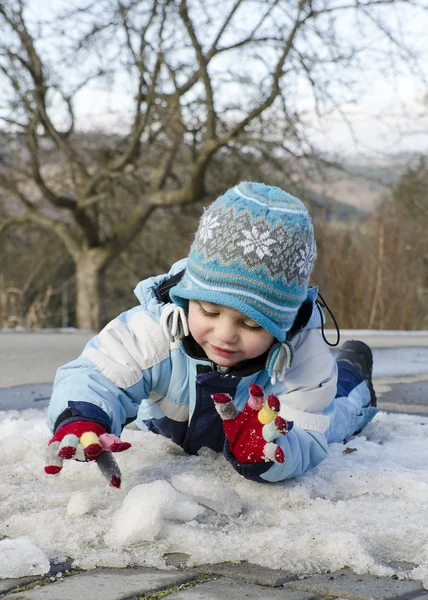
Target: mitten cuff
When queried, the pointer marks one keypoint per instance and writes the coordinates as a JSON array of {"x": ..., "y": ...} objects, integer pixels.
[
  {"x": 82, "y": 411},
  {"x": 250, "y": 471}
]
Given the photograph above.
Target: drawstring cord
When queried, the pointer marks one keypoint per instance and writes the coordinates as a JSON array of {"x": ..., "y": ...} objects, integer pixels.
[
  {"x": 174, "y": 322},
  {"x": 323, "y": 304}
]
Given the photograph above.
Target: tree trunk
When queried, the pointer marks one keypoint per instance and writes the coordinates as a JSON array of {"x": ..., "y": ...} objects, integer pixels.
[{"x": 88, "y": 268}]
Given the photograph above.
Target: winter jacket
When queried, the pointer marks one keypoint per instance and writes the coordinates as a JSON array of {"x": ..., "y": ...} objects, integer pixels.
[{"x": 132, "y": 371}]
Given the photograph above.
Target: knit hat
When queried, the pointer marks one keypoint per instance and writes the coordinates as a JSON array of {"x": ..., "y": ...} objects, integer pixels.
[{"x": 253, "y": 251}]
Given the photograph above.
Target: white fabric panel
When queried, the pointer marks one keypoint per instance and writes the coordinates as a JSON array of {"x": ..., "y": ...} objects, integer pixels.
[
  {"x": 154, "y": 397},
  {"x": 127, "y": 349},
  {"x": 177, "y": 412},
  {"x": 311, "y": 382},
  {"x": 304, "y": 420}
]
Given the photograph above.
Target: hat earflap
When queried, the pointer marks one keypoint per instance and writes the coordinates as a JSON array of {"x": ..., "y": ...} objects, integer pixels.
[
  {"x": 174, "y": 322},
  {"x": 278, "y": 360}
]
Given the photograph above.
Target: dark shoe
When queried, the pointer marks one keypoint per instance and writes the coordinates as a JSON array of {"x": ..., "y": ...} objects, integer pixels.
[{"x": 359, "y": 354}]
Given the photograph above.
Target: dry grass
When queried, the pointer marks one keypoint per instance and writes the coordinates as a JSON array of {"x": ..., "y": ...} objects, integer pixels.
[{"x": 373, "y": 274}]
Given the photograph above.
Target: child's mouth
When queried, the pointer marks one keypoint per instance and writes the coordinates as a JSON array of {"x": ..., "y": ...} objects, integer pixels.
[{"x": 222, "y": 351}]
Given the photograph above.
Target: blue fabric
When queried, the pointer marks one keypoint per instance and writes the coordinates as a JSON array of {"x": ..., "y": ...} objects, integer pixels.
[
  {"x": 254, "y": 251},
  {"x": 81, "y": 379},
  {"x": 303, "y": 451},
  {"x": 348, "y": 377},
  {"x": 169, "y": 428},
  {"x": 83, "y": 411},
  {"x": 205, "y": 428},
  {"x": 350, "y": 411}
]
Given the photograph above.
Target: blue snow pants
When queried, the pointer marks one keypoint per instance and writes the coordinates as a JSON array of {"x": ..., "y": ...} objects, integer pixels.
[{"x": 350, "y": 411}]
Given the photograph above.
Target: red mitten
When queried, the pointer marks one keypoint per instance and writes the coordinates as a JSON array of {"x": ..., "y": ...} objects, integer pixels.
[
  {"x": 96, "y": 444},
  {"x": 251, "y": 432}
]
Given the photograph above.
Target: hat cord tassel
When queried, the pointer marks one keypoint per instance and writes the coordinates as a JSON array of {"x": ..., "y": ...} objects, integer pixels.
[
  {"x": 174, "y": 322},
  {"x": 279, "y": 359}
]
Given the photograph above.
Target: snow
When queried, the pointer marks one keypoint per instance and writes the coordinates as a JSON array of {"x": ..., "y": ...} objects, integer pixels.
[
  {"x": 221, "y": 498},
  {"x": 21, "y": 557},
  {"x": 364, "y": 508}
]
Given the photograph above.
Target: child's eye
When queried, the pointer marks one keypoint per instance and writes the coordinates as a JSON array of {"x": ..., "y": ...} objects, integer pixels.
[
  {"x": 206, "y": 313},
  {"x": 251, "y": 327}
]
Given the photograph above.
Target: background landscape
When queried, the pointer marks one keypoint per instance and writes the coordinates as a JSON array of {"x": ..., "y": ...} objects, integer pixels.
[{"x": 120, "y": 121}]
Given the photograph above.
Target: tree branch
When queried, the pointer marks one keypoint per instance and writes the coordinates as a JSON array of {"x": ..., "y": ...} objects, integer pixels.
[
  {"x": 70, "y": 243},
  {"x": 278, "y": 72},
  {"x": 209, "y": 97},
  {"x": 34, "y": 67}
]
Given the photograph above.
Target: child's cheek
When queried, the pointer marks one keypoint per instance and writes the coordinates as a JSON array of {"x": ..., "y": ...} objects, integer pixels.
[{"x": 195, "y": 327}]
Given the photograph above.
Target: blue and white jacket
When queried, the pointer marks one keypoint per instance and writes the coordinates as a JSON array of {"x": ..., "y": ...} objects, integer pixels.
[{"x": 132, "y": 371}]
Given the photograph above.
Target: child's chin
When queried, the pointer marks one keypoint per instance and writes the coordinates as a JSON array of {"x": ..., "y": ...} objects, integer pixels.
[{"x": 224, "y": 361}]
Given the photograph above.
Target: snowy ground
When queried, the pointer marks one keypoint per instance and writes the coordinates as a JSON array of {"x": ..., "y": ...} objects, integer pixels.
[{"x": 363, "y": 509}]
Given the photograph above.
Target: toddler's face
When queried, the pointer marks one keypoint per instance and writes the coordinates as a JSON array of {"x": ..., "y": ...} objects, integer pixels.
[{"x": 226, "y": 335}]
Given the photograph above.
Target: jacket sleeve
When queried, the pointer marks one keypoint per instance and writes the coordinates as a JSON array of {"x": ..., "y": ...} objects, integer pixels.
[
  {"x": 303, "y": 451},
  {"x": 118, "y": 368}
]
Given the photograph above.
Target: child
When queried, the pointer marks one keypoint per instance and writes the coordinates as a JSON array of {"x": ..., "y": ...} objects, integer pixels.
[{"x": 240, "y": 322}]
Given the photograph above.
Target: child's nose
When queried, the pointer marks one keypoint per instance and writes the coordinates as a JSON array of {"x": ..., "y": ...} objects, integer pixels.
[{"x": 226, "y": 332}]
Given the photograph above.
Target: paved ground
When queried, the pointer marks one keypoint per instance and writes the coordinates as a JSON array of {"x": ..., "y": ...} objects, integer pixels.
[
  {"x": 213, "y": 582},
  {"x": 34, "y": 357},
  {"x": 28, "y": 364}
]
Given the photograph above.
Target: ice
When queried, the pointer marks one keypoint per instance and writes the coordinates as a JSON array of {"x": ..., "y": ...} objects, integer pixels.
[
  {"x": 365, "y": 509},
  {"x": 144, "y": 510},
  {"x": 79, "y": 504},
  {"x": 141, "y": 515},
  {"x": 21, "y": 557},
  {"x": 184, "y": 509},
  {"x": 220, "y": 498}
]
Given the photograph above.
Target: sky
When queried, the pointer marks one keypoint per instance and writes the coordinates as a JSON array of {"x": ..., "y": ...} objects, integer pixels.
[
  {"x": 364, "y": 507},
  {"x": 382, "y": 123},
  {"x": 390, "y": 115}
]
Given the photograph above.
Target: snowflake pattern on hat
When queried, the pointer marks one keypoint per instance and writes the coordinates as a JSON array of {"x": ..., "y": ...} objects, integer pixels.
[
  {"x": 209, "y": 224},
  {"x": 257, "y": 242},
  {"x": 307, "y": 258}
]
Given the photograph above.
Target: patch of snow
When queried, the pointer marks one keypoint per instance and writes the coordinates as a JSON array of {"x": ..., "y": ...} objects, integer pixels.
[
  {"x": 363, "y": 509},
  {"x": 21, "y": 557}
]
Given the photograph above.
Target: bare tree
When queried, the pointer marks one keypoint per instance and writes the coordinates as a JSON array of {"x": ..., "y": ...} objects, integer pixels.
[{"x": 186, "y": 79}]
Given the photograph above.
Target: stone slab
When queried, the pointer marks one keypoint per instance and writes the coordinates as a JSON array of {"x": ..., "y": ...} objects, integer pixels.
[
  {"x": 10, "y": 584},
  {"x": 346, "y": 584},
  {"x": 250, "y": 573},
  {"x": 408, "y": 409},
  {"x": 106, "y": 584},
  {"x": 231, "y": 589}
]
